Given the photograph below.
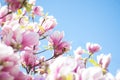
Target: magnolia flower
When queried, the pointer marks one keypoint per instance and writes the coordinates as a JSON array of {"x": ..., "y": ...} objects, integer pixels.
[
  {"x": 59, "y": 67},
  {"x": 47, "y": 23},
  {"x": 30, "y": 38},
  {"x": 104, "y": 60},
  {"x": 29, "y": 58},
  {"x": 12, "y": 38},
  {"x": 92, "y": 48},
  {"x": 56, "y": 38},
  {"x": 59, "y": 46},
  {"x": 15, "y": 4},
  {"x": 18, "y": 39},
  {"x": 79, "y": 51},
  {"x": 38, "y": 10},
  {"x": 92, "y": 73},
  {"x": 9, "y": 61}
]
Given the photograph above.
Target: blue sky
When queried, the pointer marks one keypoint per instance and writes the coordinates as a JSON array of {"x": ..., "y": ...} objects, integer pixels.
[
  {"x": 96, "y": 21},
  {"x": 83, "y": 21}
]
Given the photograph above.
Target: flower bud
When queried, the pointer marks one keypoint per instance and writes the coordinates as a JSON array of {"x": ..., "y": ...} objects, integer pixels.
[{"x": 92, "y": 48}]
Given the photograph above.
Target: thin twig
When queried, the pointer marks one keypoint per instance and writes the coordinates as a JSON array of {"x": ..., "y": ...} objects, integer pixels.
[
  {"x": 43, "y": 37},
  {"x": 41, "y": 51},
  {"x": 5, "y": 15}
]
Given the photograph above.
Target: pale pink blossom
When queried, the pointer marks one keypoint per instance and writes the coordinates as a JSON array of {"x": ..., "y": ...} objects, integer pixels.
[
  {"x": 104, "y": 60},
  {"x": 56, "y": 38},
  {"x": 92, "y": 48},
  {"x": 4, "y": 16},
  {"x": 38, "y": 10},
  {"x": 92, "y": 73},
  {"x": 79, "y": 51},
  {"x": 29, "y": 58},
  {"x": 30, "y": 38},
  {"x": 12, "y": 37},
  {"x": 48, "y": 23},
  {"x": 9, "y": 62},
  {"x": 60, "y": 67},
  {"x": 8, "y": 57}
]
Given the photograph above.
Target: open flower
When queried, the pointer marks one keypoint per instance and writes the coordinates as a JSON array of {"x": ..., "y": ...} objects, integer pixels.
[
  {"x": 18, "y": 39},
  {"x": 58, "y": 45},
  {"x": 59, "y": 68},
  {"x": 47, "y": 23},
  {"x": 29, "y": 58},
  {"x": 9, "y": 62},
  {"x": 30, "y": 38}
]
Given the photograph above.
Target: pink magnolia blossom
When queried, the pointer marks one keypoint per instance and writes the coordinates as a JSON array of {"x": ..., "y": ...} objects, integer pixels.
[
  {"x": 92, "y": 48},
  {"x": 38, "y": 10},
  {"x": 12, "y": 38},
  {"x": 29, "y": 58},
  {"x": 56, "y": 38},
  {"x": 60, "y": 67},
  {"x": 30, "y": 38},
  {"x": 92, "y": 73},
  {"x": 9, "y": 62},
  {"x": 48, "y": 23},
  {"x": 59, "y": 46},
  {"x": 79, "y": 51},
  {"x": 104, "y": 60},
  {"x": 18, "y": 39},
  {"x": 14, "y": 4}
]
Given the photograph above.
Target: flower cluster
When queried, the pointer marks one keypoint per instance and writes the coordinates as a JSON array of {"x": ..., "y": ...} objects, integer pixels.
[{"x": 21, "y": 36}]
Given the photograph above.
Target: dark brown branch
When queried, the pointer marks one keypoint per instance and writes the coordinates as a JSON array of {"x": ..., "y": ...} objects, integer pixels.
[
  {"x": 43, "y": 37},
  {"x": 41, "y": 51},
  {"x": 5, "y": 15}
]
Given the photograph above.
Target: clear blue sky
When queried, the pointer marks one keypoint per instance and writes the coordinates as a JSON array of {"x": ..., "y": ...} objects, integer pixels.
[
  {"x": 96, "y": 21},
  {"x": 84, "y": 21}
]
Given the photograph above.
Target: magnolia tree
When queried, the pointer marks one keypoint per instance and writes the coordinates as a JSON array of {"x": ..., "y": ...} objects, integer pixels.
[{"x": 21, "y": 36}]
